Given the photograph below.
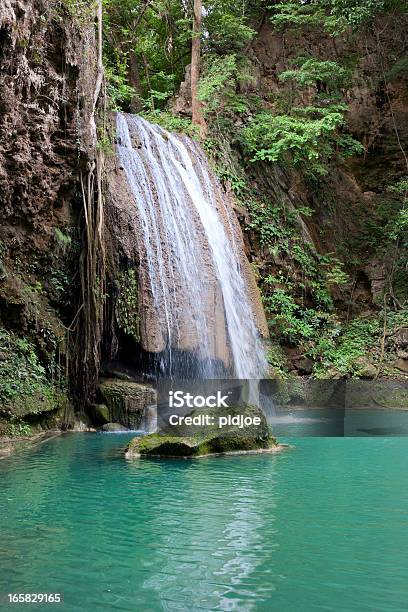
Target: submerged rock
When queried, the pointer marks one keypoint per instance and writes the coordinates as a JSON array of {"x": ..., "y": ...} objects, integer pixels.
[{"x": 197, "y": 441}]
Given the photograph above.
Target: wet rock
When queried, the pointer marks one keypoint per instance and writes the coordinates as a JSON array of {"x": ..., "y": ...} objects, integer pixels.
[
  {"x": 303, "y": 392},
  {"x": 198, "y": 441},
  {"x": 100, "y": 414},
  {"x": 113, "y": 427},
  {"x": 126, "y": 401},
  {"x": 81, "y": 424}
]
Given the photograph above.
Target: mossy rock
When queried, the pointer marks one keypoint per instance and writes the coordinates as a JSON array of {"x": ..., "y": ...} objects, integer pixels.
[
  {"x": 126, "y": 401},
  {"x": 190, "y": 441},
  {"x": 23, "y": 405},
  {"x": 99, "y": 414},
  {"x": 302, "y": 392},
  {"x": 387, "y": 394},
  {"x": 25, "y": 389}
]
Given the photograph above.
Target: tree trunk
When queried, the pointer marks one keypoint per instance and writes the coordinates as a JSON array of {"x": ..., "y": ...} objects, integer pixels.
[
  {"x": 134, "y": 81},
  {"x": 197, "y": 116}
]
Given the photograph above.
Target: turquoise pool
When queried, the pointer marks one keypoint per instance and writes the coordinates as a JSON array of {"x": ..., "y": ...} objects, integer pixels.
[{"x": 322, "y": 526}]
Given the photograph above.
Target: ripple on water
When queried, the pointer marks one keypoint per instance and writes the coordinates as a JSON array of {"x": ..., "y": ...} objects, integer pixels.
[{"x": 322, "y": 526}]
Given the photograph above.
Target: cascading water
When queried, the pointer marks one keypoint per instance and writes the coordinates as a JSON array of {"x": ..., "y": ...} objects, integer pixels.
[{"x": 196, "y": 307}]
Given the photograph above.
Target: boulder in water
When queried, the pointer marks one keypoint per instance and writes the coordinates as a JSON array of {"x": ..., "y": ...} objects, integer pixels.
[
  {"x": 199, "y": 441},
  {"x": 127, "y": 401}
]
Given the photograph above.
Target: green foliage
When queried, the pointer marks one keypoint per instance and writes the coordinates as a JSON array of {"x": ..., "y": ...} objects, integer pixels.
[
  {"x": 310, "y": 70},
  {"x": 147, "y": 44},
  {"x": 219, "y": 88},
  {"x": 119, "y": 91},
  {"x": 335, "y": 16},
  {"x": 359, "y": 12},
  {"x": 227, "y": 24},
  {"x": 343, "y": 350},
  {"x": 306, "y": 135},
  {"x": 64, "y": 240},
  {"x": 219, "y": 82},
  {"x": 146, "y": 49},
  {"x": 276, "y": 358},
  {"x": 170, "y": 122},
  {"x": 291, "y": 321},
  {"x": 385, "y": 232},
  {"x": 17, "y": 428},
  {"x": 335, "y": 274},
  {"x": 309, "y": 135},
  {"x": 298, "y": 14},
  {"x": 24, "y": 386},
  {"x": 127, "y": 305}
]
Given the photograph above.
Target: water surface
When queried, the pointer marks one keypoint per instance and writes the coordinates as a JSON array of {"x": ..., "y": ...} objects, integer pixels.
[{"x": 323, "y": 526}]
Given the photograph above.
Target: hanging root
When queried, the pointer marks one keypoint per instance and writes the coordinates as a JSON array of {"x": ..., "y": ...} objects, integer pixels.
[{"x": 89, "y": 321}]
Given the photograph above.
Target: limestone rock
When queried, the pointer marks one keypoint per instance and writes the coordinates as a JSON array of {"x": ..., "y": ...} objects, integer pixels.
[
  {"x": 387, "y": 394},
  {"x": 82, "y": 424},
  {"x": 185, "y": 441},
  {"x": 126, "y": 401},
  {"x": 100, "y": 413},
  {"x": 365, "y": 368},
  {"x": 402, "y": 365},
  {"x": 400, "y": 338},
  {"x": 7, "y": 14}
]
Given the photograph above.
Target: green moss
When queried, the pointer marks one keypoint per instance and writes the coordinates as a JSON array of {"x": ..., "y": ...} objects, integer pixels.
[
  {"x": 171, "y": 123},
  {"x": 126, "y": 401},
  {"x": 24, "y": 386},
  {"x": 184, "y": 441},
  {"x": 127, "y": 306}
]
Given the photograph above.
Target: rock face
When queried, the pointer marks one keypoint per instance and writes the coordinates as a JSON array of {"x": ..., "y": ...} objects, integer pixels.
[
  {"x": 45, "y": 84},
  {"x": 186, "y": 441},
  {"x": 385, "y": 394},
  {"x": 47, "y": 74},
  {"x": 127, "y": 402}
]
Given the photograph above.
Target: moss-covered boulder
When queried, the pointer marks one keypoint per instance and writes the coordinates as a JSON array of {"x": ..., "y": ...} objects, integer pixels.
[
  {"x": 200, "y": 440},
  {"x": 126, "y": 401},
  {"x": 99, "y": 413}
]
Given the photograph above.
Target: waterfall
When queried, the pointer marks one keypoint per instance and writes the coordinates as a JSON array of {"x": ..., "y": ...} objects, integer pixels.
[{"x": 197, "y": 298}]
